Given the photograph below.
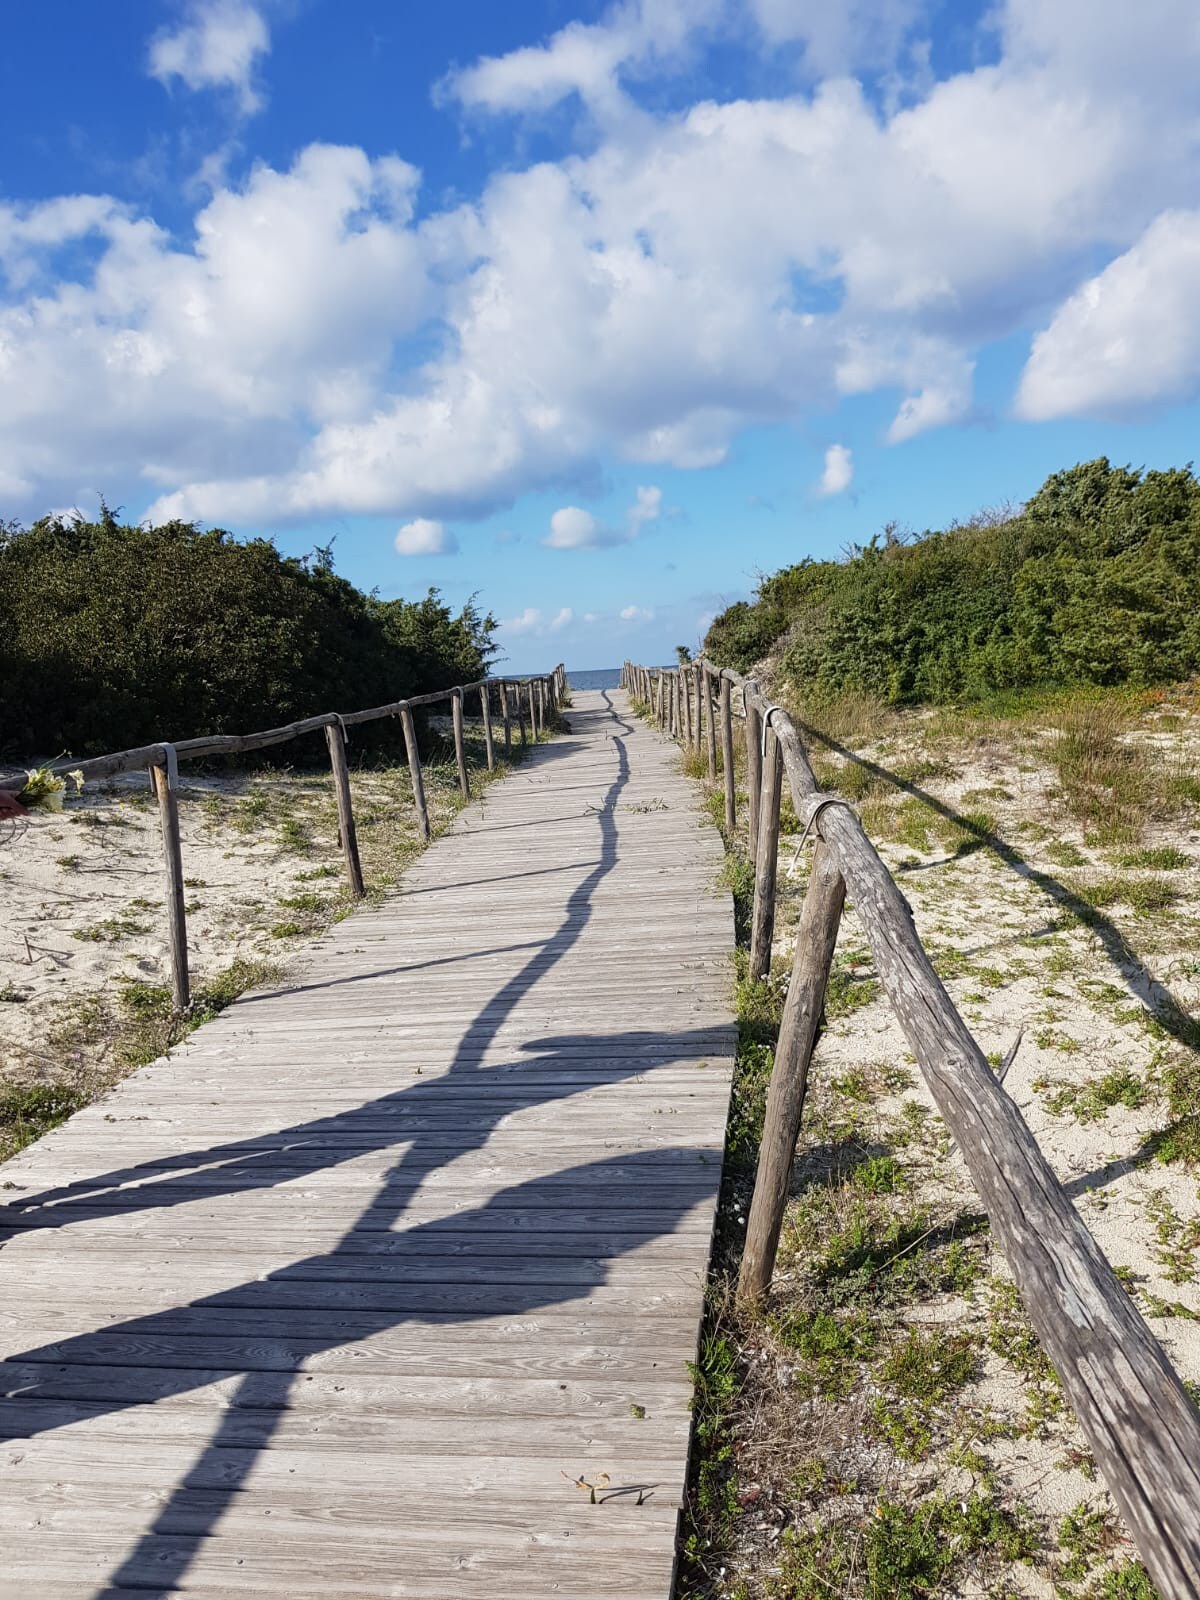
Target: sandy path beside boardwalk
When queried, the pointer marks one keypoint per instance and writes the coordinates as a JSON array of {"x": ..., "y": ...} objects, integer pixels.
[{"x": 83, "y": 938}]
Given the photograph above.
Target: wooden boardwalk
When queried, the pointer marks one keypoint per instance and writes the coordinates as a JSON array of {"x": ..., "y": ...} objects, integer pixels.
[{"x": 337, "y": 1300}]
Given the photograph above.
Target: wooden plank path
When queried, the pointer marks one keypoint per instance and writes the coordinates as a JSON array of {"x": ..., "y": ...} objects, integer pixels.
[{"x": 337, "y": 1299}]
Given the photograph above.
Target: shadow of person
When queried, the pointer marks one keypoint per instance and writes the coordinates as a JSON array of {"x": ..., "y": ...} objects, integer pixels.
[
  {"x": 428, "y": 1115},
  {"x": 379, "y": 1276},
  {"x": 269, "y": 1330}
]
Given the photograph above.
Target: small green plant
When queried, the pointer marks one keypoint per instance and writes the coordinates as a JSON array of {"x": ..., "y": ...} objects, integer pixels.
[
  {"x": 1089, "y": 1102},
  {"x": 904, "y": 1551},
  {"x": 1128, "y": 1580},
  {"x": 1010, "y": 1335},
  {"x": 712, "y": 1500},
  {"x": 1143, "y": 895},
  {"x": 1064, "y": 854},
  {"x": 28, "y": 1112},
  {"x": 110, "y": 930},
  {"x": 305, "y": 902},
  {"x": 295, "y": 836},
  {"x": 1162, "y": 858},
  {"x": 1086, "y": 1535},
  {"x": 1178, "y": 1239},
  {"x": 918, "y": 1376},
  {"x": 830, "y": 1348},
  {"x": 848, "y": 990}
]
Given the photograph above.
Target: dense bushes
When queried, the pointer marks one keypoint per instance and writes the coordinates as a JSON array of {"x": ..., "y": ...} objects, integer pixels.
[
  {"x": 113, "y": 635},
  {"x": 1095, "y": 581}
]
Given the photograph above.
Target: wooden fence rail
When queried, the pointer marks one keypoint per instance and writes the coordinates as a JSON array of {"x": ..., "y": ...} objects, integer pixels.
[
  {"x": 1134, "y": 1412},
  {"x": 163, "y": 762}
]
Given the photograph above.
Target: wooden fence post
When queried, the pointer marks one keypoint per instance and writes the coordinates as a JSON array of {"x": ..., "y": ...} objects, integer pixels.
[
  {"x": 533, "y": 718},
  {"x": 753, "y": 767},
  {"x": 163, "y": 780},
  {"x": 685, "y": 702},
  {"x": 710, "y": 723},
  {"x": 485, "y": 708},
  {"x": 658, "y": 699},
  {"x": 460, "y": 748},
  {"x": 727, "y": 758},
  {"x": 505, "y": 716},
  {"x": 766, "y": 861},
  {"x": 519, "y": 698},
  {"x": 335, "y": 738},
  {"x": 698, "y": 680},
  {"x": 816, "y": 937},
  {"x": 414, "y": 769}
]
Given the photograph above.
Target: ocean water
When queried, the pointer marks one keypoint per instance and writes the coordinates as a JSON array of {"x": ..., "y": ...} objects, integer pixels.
[{"x": 601, "y": 678}]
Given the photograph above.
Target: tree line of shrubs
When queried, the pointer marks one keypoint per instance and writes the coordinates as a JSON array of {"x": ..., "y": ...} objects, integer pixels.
[
  {"x": 113, "y": 635},
  {"x": 1096, "y": 580}
]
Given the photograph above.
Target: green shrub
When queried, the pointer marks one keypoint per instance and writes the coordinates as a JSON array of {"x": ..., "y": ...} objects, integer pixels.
[
  {"x": 117, "y": 636},
  {"x": 1095, "y": 581}
]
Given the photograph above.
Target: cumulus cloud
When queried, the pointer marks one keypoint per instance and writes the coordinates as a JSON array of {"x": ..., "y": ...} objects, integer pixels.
[
  {"x": 537, "y": 623},
  {"x": 1129, "y": 337},
  {"x": 572, "y": 528},
  {"x": 644, "y": 297},
  {"x": 839, "y": 470},
  {"x": 217, "y": 47},
  {"x": 529, "y": 621},
  {"x": 647, "y": 507},
  {"x": 636, "y": 614},
  {"x": 584, "y": 59},
  {"x": 424, "y": 537}
]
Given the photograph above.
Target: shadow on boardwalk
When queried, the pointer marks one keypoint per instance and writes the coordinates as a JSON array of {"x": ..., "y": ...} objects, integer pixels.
[{"x": 360, "y": 1281}]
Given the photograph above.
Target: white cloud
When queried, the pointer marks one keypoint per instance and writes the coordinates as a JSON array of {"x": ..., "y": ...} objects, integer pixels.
[
  {"x": 216, "y": 48},
  {"x": 1129, "y": 337},
  {"x": 644, "y": 298},
  {"x": 530, "y": 620},
  {"x": 584, "y": 59},
  {"x": 424, "y": 537},
  {"x": 647, "y": 507},
  {"x": 536, "y": 623},
  {"x": 572, "y": 528},
  {"x": 842, "y": 38},
  {"x": 636, "y": 614},
  {"x": 839, "y": 470}
]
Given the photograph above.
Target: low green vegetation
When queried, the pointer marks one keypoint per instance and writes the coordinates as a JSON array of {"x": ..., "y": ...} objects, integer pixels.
[
  {"x": 117, "y": 635},
  {"x": 1096, "y": 580},
  {"x": 27, "y": 1112},
  {"x": 903, "y": 1550},
  {"x": 1090, "y": 1101},
  {"x": 865, "y": 1442}
]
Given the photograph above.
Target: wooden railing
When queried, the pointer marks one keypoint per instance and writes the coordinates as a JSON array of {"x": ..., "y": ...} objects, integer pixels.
[
  {"x": 1129, "y": 1401},
  {"x": 516, "y": 698}
]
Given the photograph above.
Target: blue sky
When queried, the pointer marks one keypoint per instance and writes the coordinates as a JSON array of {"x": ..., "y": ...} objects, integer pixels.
[{"x": 595, "y": 309}]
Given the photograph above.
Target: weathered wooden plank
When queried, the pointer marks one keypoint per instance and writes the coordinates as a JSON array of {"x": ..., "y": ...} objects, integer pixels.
[{"x": 420, "y": 1227}]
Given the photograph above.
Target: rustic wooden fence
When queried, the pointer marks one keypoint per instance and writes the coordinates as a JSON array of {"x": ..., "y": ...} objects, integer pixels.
[
  {"x": 525, "y": 701},
  {"x": 1132, "y": 1407}
]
